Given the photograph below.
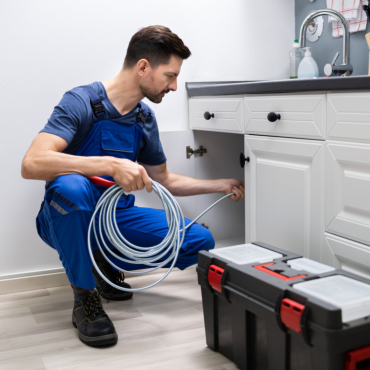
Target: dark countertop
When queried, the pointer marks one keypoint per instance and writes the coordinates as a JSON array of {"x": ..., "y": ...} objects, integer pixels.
[{"x": 278, "y": 86}]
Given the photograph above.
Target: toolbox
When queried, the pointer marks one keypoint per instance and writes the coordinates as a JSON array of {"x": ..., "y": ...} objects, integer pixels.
[{"x": 266, "y": 308}]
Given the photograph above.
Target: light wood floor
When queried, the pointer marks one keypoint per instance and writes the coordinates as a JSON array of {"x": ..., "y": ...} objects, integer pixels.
[{"x": 161, "y": 328}]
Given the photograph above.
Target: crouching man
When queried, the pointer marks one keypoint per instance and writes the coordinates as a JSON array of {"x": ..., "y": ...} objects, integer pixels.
[{"x": 104, "y": 129}]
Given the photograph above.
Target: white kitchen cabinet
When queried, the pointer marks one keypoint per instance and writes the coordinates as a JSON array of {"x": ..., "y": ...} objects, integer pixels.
[
  {"x": 311, "y": 197},
  {"x": 227, "y": 114},
  {"x": 346, "y": 254},
  {"x": 348, "y": 190},
  {"x": 302, "y": 116},
  {"x": 284, "y": 193},
  {"x": 348, "y": 117}
]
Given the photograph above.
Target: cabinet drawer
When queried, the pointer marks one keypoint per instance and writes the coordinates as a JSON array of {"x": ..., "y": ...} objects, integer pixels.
[
  {"x": 302, "y": 116},
  {"x": 227, "y": 114},
  {"x": 346, "y": 254},
  {"x": 349, "y": 117},
  {"x": 348, "y": 190}
]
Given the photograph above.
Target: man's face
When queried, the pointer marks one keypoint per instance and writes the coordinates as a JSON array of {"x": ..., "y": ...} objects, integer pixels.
[{"x": 157, "y": 82}]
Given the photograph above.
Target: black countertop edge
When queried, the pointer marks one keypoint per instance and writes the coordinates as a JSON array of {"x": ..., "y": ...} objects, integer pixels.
[{"x": 278, "y": 86}]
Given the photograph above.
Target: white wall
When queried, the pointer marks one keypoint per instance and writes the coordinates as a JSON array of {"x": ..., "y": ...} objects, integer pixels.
[{"x": 50, "y": 46}]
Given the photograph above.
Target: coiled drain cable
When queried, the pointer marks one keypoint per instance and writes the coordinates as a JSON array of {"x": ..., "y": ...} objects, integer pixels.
[{"x": 150, "y": 256}]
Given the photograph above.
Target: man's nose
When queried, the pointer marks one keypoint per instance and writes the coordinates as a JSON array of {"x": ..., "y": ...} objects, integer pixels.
[{"x": 173, "y": 86}]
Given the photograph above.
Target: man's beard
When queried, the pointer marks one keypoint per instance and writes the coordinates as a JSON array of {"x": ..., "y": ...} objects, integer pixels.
[{"x": 152, "y": 96}]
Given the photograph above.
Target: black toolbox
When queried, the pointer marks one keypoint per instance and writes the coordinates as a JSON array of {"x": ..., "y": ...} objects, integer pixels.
[{"x": 268, "y": 315}]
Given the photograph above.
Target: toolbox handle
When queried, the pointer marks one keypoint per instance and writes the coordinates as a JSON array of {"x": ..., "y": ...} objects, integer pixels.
[
  {"x": 279, "y": 276},
  {"x": 357, "y": 356}
]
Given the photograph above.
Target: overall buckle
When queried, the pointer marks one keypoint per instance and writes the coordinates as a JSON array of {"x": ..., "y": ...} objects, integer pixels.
[{"x": 97, "y": 108}]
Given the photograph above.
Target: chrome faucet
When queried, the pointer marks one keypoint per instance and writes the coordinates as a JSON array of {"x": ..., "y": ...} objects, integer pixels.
[{"x": 332, "y": 69}]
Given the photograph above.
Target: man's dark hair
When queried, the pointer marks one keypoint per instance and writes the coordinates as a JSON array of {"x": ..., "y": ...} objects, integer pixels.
[{"x": 156, "y": 44}]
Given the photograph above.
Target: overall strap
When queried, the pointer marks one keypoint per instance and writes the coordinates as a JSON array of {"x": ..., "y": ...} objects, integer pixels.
[{"x": 96, "y": 104}]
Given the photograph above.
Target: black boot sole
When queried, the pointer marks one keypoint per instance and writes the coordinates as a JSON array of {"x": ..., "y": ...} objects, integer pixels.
[{"x": 103, "y": 340}]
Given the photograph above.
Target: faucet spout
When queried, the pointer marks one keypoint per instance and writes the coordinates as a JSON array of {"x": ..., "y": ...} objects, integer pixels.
[{"x": 346, "y": 67}]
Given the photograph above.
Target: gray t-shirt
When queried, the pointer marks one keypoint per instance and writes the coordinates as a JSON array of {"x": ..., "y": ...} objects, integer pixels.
[{"x": 73, "y": 119}]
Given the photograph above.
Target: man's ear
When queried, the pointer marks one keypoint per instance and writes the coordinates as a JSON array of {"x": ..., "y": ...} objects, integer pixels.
[{"x": 142, "y": 67}]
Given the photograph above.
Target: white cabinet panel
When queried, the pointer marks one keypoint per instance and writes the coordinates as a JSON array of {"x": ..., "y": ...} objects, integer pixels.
[
  {"x": 346, "y": 254},
  {"x": 348, "y": 190},
  {"x": 227, "y": 114},
  {"x": 284, "y": 194},
  {"x": 301, "y": 116},
  {"x": 348, "y": 117}
]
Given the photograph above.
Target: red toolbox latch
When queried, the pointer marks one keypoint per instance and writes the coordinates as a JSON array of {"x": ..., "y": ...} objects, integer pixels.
[
  {"x": 215, "y": 276},
  {"x": 358, "y": 359},
  {"x": 291, "y": 314}
]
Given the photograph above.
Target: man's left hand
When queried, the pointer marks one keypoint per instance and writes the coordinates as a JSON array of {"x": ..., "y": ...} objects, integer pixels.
[{"x": 236, "y": 187}]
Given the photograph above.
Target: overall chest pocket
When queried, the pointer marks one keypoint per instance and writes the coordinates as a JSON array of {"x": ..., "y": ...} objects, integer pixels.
[{"x": 118, "y": 142}]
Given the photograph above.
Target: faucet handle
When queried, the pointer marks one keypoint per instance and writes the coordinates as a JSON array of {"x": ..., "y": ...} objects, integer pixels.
[
  {"x": 338, "y": 70},
  {"x": 335, "y": 58},
  {"x": 328, "y": 69}
]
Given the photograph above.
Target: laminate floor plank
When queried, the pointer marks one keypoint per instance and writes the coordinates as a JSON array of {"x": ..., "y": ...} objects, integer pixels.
[
  {"x": 161, "y": 328},
  {"x": 24, "y": 295},
  {"x": 60, "y": 290},
  {"x": 187, "y": 356},
  {"x": 62, "y": 348},
  {"x": 34, "y": 364},
  {"x": 231, "y": 366},
  {"x": 4, "y": 343}
]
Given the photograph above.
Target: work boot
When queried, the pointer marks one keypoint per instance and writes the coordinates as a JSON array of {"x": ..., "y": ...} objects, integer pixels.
[
  {"x": 93, "y": 324},
  {"x": 116, "y": 277}
]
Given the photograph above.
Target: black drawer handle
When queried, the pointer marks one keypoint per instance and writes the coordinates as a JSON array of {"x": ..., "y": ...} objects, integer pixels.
[
  {"x": 242, "y": 160},
  {"x": 208, "y": 115},
  {"x": 273, "y": 117}
]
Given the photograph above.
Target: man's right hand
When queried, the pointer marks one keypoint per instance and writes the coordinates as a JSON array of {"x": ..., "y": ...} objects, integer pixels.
[
  {"x": 44, "y": 161},
  {"x": 130, "y": 176}
]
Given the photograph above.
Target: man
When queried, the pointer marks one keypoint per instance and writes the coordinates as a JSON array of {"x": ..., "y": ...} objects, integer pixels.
[{"x": 103, "y": 129}]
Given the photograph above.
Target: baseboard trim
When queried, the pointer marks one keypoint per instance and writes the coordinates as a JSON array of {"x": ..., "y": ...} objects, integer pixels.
[
  {"x": 57, "y": 277},
  {"x": 33, "y": 282}
]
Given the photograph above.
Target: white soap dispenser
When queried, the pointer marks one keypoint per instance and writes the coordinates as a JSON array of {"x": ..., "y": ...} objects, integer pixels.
[{"x": 308, "y": 67}]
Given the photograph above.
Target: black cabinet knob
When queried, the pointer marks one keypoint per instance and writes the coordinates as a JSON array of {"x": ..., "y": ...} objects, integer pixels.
[
  {"x": 273, "y": 117},
  {"x": 208, "y": 115},
  {"x": 242, "y": 160}
]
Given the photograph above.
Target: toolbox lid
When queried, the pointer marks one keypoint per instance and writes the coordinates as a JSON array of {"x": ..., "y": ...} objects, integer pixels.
[
  {"x": 350, "y": 295},
  {"x": 308, "y": 265},
  {"x": 246, "y": 253}
]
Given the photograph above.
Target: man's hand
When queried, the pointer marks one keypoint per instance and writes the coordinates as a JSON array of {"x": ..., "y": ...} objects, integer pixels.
[
  {"x": 234, "y": 186},
  {"x": 131, "y": 176}
]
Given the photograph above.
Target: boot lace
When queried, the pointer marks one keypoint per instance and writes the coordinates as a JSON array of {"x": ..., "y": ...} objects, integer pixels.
[{"x": 93, "y": 308}]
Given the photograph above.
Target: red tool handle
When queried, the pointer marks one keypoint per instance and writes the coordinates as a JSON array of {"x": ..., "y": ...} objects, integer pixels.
[{"x": 102, "y": 182}]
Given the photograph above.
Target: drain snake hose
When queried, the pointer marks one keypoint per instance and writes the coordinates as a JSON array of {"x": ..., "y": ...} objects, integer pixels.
[{"x": 154, "y": 257}]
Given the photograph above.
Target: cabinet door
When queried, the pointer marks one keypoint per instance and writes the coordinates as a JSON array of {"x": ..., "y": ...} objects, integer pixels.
[
  {"x": 301, "y": 116},
  {"x": 346, "y": 254},
  {"x": 227, "y": 114},
  {"x": 284, "y": 194},
  {"x": 349, "y": 117},
  {"x": 348, "y": 190}
]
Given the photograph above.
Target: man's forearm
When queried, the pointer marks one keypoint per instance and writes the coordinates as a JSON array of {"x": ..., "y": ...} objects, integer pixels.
[
  {"x": 182, "y": 186},
  {"x": 48, "y": 165}
]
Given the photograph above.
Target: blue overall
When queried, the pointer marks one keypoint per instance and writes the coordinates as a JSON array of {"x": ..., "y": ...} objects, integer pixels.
[{"x": 69, "y": 202}]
